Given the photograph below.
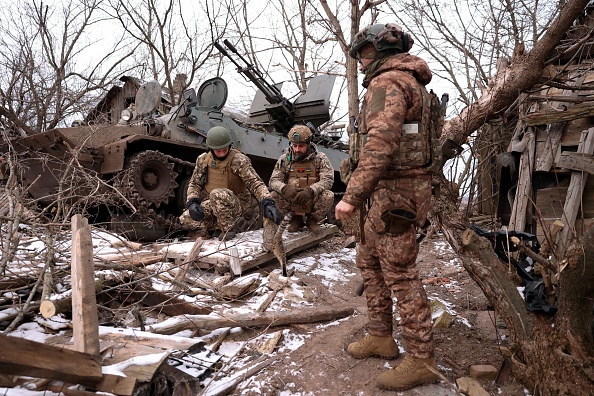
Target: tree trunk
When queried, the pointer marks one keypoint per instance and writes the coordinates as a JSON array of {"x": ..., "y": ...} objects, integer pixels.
[{"x": 551, "y": 355}]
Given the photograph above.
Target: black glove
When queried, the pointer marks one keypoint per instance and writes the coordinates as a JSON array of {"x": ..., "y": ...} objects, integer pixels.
[
  {"x": 304, "y": 196},
  {"x": 270, "y": 210},
  {"x": 289, "y": 192},
  {"x": 195, "y": 210}
]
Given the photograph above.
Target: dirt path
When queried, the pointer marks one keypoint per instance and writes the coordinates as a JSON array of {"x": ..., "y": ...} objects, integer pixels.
[{"x": 320, "y": 366}]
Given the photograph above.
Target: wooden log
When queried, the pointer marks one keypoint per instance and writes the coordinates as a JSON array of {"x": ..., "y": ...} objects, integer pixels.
[
  {"x": 53, "y": 307},
  {"x": 85, "y": 321},
  {"x": 161, "y": 302},
  {"x": 19, "y": 356},
  {"x": 212, "y": 322}
]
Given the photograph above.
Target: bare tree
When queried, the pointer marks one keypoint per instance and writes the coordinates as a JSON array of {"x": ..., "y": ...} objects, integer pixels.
[
  {"x": 172, "y": 40},
  {"x": 45, "y": 79}
]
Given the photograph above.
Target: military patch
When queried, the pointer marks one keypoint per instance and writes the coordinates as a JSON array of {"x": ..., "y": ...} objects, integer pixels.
[{"x": 378, "y": 100}]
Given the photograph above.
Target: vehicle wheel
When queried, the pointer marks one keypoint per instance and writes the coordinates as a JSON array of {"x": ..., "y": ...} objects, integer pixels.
[{"x": 149, "y": 179}]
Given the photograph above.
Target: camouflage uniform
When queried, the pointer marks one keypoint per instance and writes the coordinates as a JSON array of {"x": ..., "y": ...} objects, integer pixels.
[
  {"x": 223, "y": 209},
  {"x": 389, "y": 173},
  {"x": 323, "y": 196}
]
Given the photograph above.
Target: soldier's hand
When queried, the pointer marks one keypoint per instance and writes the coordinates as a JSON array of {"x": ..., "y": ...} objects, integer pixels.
[
  {"x": 271, "y": 211},
  {"x": 304, "y": 196},
  {"x": 289, "y": 192},
  {"x": 343, "y": 210},
  {"x": 195, "y": 210}
]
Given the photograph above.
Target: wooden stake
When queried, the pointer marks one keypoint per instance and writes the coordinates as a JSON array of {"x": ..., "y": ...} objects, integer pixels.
[{"x": 84, "y": 303}]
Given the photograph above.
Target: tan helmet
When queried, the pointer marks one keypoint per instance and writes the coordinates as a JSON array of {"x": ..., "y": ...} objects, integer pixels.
[
  {"x": 384, "y": 37},
  {"x": 300, "y": 134}
]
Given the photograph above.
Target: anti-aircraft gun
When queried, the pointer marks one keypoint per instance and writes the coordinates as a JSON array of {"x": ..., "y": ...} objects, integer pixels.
[
  {"x": 145, "y": 161},
  {"x": 271, "y": 110}
]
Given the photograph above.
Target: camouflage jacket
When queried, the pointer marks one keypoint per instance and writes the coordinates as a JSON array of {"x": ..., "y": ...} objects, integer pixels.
[
  {"x": 241, "y": 166},
  {"x": 324, "y": 170},
  {"x": 393, "y": 97}
]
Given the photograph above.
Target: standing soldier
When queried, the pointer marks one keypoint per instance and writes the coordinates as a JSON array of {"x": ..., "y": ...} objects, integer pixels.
[
  {"x": 393, "y": 168},
  {"x": 221, "y": 188},
  {"x": 301, "y": 181}
]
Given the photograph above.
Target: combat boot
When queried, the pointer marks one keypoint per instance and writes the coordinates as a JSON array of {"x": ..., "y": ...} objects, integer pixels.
[
  {"x": 408, "y": 374},
  {"x": 296, "y": 223},
  {"x": 370, "y": 345},
  {"x": 312, "y": 224}
]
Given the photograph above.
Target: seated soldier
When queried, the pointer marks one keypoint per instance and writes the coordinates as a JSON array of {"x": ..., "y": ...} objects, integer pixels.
[
  {"x": 222, "y": 187},
  {"x": 301, "y": 181}
]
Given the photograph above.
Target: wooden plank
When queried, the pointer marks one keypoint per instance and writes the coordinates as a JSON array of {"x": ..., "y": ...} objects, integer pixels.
[
  {"x": 550, "y": 116},
  {"x": 85, "y": 321},
  {"x": 517, "y": 220},
  {"x": 574, "y": 196},
  {"x": 553, "y": 142},
  {"x": 117, "y": 385},
  {"x": 234, "y": 262},
  {"x": 19, "y": 356},
  {"x": 294, "y": 245},
  {"x": 576, "y": 161},
  {"x": 547, "y": 154}
]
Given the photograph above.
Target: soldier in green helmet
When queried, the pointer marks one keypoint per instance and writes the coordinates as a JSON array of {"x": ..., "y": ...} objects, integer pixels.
[
  {"x": 224, "y": 188},
  {"x": 393, "y": 168}
]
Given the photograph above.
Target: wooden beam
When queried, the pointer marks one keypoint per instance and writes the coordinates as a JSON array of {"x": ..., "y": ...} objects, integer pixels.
[
  {"x": 85, "y": 321},
  {"x": 576, "y": 161},
  {"x": 19, "y": 356},
  {"x": 574, "y": 196},
  {"x": 523, "y": 196}
]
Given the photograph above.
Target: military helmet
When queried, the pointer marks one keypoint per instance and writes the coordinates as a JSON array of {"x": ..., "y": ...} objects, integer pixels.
[
  {"x": 300, "y": 134},
  {"x": 383, "y": 37},
  {"x": 218, "y": 137}
]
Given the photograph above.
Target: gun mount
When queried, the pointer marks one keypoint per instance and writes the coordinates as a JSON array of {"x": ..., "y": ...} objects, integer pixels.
[
  {"x": 144, "y": 163},
  {"x": 271, "y": 109}
]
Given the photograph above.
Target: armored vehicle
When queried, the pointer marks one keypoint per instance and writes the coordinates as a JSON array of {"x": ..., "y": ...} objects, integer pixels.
[{"x": 134, "y": 175}]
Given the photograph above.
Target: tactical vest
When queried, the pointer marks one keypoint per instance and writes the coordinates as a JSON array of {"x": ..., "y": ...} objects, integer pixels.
[
  {"x": 419, "y": 145},
  {"x": 220, "y": 175},
  {"x": 303, "y": 174}
]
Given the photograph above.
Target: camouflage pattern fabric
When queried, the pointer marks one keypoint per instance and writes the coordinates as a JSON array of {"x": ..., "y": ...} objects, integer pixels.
[
  {"x": 322, "y": 203},
  {"x": 387, "y": 261},
  {"x": 323, "y": 196},
  {"x": 222, "y": 208},
  {"x": 280, "y": 174}
]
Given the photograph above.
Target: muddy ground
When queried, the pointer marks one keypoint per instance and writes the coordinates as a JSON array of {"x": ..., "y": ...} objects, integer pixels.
[{"x": 320, "y": 365}]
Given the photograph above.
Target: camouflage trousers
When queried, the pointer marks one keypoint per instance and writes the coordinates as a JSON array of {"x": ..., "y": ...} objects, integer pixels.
[
  {"x": 321, "y": 204},
  {"x": 388, "y": 266},
  {"x": 223, "y": 210}
]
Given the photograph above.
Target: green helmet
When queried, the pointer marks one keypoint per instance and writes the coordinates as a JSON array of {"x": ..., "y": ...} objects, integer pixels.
[
  {"x": 383, "y": 37},
  {"x": 218, "y": 137}
]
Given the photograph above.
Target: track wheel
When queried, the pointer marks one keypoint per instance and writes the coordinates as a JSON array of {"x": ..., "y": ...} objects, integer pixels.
[{"x": 150, "y": 178}]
